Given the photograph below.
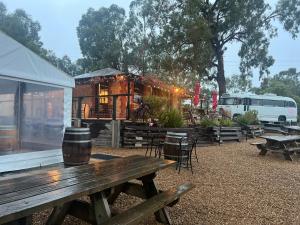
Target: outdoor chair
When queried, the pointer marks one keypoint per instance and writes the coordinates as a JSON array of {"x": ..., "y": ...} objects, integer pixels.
[{"x": 154, "y": 143}]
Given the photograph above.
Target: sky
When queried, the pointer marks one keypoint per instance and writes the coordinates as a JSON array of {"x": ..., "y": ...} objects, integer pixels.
[{"x": 59, "y": 19}]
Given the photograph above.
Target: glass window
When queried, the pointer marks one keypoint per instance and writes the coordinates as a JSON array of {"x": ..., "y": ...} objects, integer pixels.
[
  {"x": 227, "y": 101},
  {"x": 9, "y": 103},
  {"x": 31, "y": 116},
  {"x": 103, "y": 91},
  {"x": 279, "y": 103},
  {"x": 291, "y": 104},
  {"x": 42, "y": 117},
  {"x": 274, "y": 103},
  {"x": 256, "y": 102}
]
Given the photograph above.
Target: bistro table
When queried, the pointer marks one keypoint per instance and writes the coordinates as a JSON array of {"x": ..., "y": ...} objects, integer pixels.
[
  {"x": 287, "y": 145},
  {"x": 102, "y": 182}
]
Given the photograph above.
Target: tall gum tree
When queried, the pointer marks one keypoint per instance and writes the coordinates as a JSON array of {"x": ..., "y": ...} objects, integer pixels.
[{"x": 194, "y": 34}]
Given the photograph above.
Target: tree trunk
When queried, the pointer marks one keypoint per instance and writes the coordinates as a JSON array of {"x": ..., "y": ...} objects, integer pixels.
[{"x": 221, "y": 73}]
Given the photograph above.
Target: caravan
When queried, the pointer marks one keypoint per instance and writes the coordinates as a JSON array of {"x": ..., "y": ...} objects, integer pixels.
[{"x": 270, "y": 107}]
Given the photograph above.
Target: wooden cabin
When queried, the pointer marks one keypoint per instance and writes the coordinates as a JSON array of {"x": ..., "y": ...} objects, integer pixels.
[{"x": 95, "y": 93}]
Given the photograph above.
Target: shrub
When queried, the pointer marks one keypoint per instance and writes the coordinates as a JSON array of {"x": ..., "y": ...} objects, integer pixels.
[
  {"x": 171, "y": 119},
  {"x": 206, "y": 122},
  {"x": 156, "y": 104},
  {"x": 249, "y": 118},
  {"x": 226, "y": 122}
]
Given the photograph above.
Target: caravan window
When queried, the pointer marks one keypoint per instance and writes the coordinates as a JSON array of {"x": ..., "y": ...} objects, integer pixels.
[
  {"x": 256, "y": 102},
  {"x": 290, "y": 104},
  {"x": 230, "y": 101}
]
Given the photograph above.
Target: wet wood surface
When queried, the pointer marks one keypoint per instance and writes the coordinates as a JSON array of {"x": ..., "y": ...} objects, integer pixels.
[{"x": 25, "y": 195}]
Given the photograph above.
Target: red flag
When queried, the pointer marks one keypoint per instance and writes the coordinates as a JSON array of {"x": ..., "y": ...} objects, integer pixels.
[
  {"x": 197, "y": 92},
  {"x": 214, "y": 95}
]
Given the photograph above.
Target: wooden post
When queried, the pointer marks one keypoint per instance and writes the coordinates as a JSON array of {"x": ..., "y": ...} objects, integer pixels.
[
  {"x": 128, "y": 98},
  {"x": 114, "y": 112},
  {"x": 115, "y": 130},
  {"x": 79, "y": 107}
]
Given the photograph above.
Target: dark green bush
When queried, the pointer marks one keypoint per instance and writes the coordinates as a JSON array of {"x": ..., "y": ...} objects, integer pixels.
[
  {"x": 171, "y": 119},
  {"x": 156, "y": 104}
]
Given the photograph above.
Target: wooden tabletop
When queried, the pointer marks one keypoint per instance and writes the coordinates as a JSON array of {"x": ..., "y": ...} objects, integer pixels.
[
  {"x": 28, "y": 194},
  {"x": 295, "y": 128},
  {"x": 286, "y": 138}
]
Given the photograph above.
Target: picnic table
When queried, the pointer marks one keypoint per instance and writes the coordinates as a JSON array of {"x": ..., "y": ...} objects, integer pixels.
[
  {"x": 63, "y": 188},
  {"x": 292, "y": 129},
  {"x": 287, "y": 145}
]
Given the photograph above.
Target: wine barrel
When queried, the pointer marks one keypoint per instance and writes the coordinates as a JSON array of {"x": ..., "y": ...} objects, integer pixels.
[
  {"x": 77, "y": 146},
  {"x": 8, "y": 137},
  {"x": 172, "y": 144}
]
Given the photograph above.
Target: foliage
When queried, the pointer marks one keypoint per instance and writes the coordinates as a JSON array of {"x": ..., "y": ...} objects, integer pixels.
[
  {"x": 157, "y": 105},
  {"x": 207, "y": 122},
  {"x": 249, "y": 118},
  {"x": 286, "y": 83},
  {"x": 171, "y": 119},
  {"x": 193, "y": 35},
  {"x": 226, "y": 122},
  {"x": 238, "y": 83},
  {"x": 20, "y": 26},
  {"x": 100, "y": 34}
]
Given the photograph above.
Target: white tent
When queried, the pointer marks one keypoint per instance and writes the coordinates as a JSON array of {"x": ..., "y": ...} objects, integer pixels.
[{"x": 35, "y": 98}]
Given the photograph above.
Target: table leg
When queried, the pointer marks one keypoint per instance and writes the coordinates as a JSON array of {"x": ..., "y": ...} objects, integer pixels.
[
  {"x": 263, "y": 150},
  {"x": 58, "y": 214},
  {"x": 286, "y": 153},
  {"x": 22, "y": 221},
  {"x": 151, "y": 190},
  {"x": 100, "y": 207}
]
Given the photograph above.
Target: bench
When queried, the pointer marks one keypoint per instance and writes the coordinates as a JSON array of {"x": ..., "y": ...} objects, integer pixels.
[{"x": 135, "y": 215}]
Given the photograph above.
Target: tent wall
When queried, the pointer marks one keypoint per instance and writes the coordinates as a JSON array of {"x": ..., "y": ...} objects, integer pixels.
[{"x": 67, "y": 107}]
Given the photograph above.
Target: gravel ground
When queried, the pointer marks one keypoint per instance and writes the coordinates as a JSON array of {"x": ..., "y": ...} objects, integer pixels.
[{"x": 233, "y": 186}]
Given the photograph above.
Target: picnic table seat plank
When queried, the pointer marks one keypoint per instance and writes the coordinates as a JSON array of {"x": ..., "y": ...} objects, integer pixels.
[
  {"x": 23, "y": 207},
  {"x": 43, "y": 175},
  {"x": 137, "y": 214},
  {"x": 55, "y": 185}
]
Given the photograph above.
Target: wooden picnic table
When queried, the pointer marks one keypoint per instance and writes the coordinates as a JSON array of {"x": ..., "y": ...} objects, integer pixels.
[
  {"x": 287, "y": 145},
  {"x": 102, "y": 182},
  {"x": 292, "y": 129}
]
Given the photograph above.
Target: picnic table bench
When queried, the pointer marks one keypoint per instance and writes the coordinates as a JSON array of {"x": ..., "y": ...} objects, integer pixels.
[
  {"x": 61, "y": 189},
  {"x": 287, "y": 145}
]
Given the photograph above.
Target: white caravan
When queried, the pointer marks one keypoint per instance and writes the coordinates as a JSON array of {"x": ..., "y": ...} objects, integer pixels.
[{"x": 270, "y": 107}]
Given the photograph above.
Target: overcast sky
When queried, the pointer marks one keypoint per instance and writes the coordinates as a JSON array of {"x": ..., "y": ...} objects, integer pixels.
[{"x": 59, "y": 19}]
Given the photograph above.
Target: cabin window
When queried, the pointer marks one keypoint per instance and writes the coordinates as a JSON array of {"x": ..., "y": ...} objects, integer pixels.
[{"x": 103, "y": 93}]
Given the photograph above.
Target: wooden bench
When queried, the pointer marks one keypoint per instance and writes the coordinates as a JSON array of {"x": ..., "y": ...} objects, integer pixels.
[
  {"x": 101, "y": 182},
  {"x": 137, "y": 214}
]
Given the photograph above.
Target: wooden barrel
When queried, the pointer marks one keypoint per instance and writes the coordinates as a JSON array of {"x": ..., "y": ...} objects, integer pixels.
[
  {"x": 77, "y": 146},
  {"x": 172, "y": 144},
  {"x": 8, "y": 137}
]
